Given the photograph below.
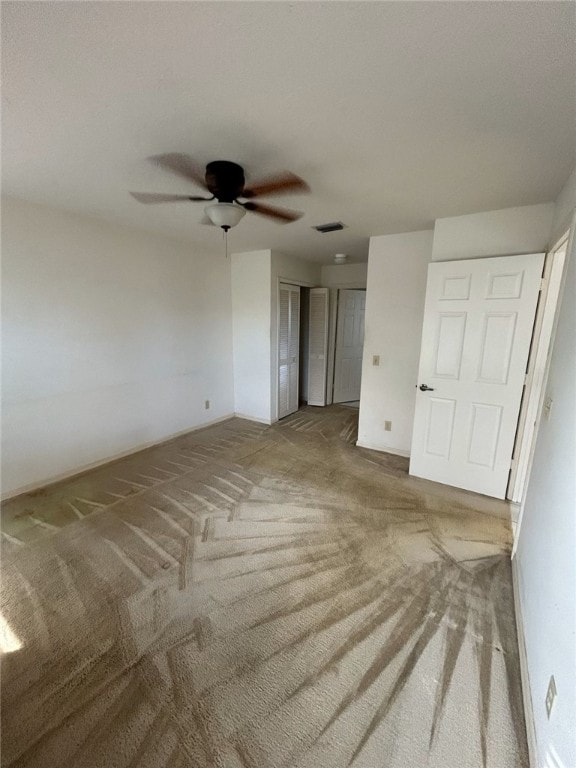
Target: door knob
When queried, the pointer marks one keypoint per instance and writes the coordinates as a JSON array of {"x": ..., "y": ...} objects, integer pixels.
[{"x": 426, "y": 388}]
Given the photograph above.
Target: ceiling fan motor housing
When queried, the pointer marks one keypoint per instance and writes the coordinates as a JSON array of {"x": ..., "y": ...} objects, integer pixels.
[{"x": 225, "y": 180}]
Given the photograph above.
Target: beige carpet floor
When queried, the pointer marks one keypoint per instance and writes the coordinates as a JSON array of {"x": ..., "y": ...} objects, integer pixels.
[{"x": 259, "y": 597}]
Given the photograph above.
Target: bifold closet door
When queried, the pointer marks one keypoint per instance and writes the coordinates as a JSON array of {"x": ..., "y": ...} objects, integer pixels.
[{"x": 288, "y": 348}]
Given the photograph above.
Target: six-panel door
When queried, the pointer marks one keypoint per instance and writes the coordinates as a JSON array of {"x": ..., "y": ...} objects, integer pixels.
[{"x": 476, "y": 335}]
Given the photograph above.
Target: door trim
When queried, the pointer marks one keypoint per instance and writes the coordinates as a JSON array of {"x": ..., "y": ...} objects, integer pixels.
[
  {"x": 537, "y": 368},
  {"x": 570, "y": 235}
]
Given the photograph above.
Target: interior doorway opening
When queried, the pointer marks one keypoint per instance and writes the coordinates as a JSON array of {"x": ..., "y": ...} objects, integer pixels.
[
  {"x": 288, "y": 348},
  {"x": 304, "y": 345},
  {"x": 294, "y": 366},
  {"x": 349, "y": 346},
  {"x": 320, "y": 346}
]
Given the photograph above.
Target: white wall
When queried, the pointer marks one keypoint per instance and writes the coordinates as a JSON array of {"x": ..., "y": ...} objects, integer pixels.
[
  {"x": 251, "y": 313},
  {"x": 493, "y": 233},
  {"x": 564, "y": 208},
  {"x": 112, "y": 339},
  {"x": 545, "y": 562},
  {"x": 289, "y": 269},
  {"x": 344, "y": 275},
  {"x": 396, "y": 288}
]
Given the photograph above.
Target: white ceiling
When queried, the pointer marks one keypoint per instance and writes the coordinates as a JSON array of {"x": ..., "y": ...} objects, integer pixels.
[{"x": 396, "y": 113}]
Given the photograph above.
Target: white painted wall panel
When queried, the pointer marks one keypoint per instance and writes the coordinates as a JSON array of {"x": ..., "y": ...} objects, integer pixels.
[
  {"x": 251, "y": 312},
  {"x": 544, "y": 557},
  {"x": 344, "y": 275},
  {"x": 396, "y": 288},
  {"x": 505, "y": 232},
  {"x": 112, "y": 339}
]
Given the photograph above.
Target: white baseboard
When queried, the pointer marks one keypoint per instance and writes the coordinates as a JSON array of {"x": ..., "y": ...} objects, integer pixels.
[
  {"x": 383, "y": 449},
  {"x": 252, "y": 418},
  {"x": 524, "y": 675},
  {"x": 109, "y": 459}
]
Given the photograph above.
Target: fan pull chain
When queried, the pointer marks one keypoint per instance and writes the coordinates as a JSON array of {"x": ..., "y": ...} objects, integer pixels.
[{"x": 226, "y": 242}]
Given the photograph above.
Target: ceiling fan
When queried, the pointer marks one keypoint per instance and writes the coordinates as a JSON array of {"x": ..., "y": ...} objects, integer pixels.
[{"x": 225, "y": 182}]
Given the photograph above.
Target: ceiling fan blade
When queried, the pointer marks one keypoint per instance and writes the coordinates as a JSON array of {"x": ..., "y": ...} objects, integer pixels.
[
  {"x": 181, "y": 165},
  {"x": 276, "y": 185},
  {"x": 149, "y": 198},
  {"x": 280, "y": 214}
]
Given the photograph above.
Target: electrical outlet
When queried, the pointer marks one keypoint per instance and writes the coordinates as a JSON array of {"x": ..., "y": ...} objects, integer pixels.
[
  {"x": 550, "y": 695},
  {"x": 388, "y": 426},
  {"x": 375, "y": 359},
  {"x": 207, "y": 404}
]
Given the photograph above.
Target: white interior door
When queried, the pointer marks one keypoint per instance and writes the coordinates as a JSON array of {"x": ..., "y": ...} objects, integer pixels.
[
  {"x": 349, "y": 345},
  {"x": 288, "y": 348},
  {"x": 318, "y": 346},
  {"x": 478, "y": 321}
]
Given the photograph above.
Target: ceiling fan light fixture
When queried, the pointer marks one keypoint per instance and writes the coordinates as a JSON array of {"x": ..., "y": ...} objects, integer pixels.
[
  {"x": 225, "y": 215},
  {"x": 226, "y": 183}
]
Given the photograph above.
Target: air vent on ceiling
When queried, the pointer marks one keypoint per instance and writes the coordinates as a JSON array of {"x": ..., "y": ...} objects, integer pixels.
[{"x": 332, "y": 226}]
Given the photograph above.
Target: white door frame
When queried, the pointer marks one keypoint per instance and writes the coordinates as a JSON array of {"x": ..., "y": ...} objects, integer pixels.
[
  {"x": 537, "y": 369},
  {"x": 567, "y": 237}
]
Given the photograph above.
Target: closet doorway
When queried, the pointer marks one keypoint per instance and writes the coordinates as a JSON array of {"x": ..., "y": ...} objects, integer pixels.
[
  {"x": 349, "y": 345},
  {"x": 288, "y": 349}
]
